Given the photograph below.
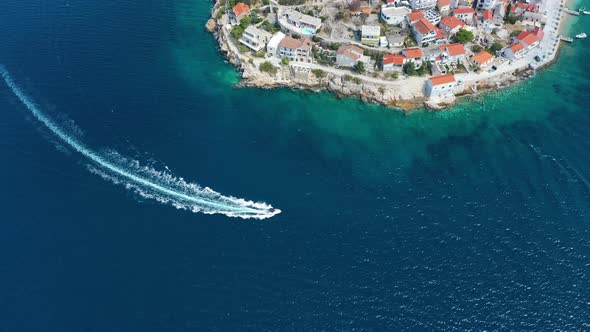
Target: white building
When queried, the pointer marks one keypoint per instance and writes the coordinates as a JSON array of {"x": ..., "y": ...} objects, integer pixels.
[
  {"x": 440, "y": 85},
  {"x": 370, "y": 35},
  {"x": 254, "y": 38},
  {"x": 303, "y": 24},
  {"x": 424, "y": 31},
  {"x": 298, "y": 50},
  {"x": 514, "y": 52},
  {"x": 432, "y": 16},
  {"x": 394, "y": 15},
  {"x": 486, "y": 4},
  {"x": 422, "y": 4},
  {"x": 349, "y": 56},
  {"x": 272, "y": 48}
]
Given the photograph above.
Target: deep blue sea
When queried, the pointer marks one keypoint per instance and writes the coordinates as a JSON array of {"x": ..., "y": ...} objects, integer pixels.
[{"x": 473, "y": 218}]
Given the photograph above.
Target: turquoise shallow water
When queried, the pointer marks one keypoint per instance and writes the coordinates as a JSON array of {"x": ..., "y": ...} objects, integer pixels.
[{"x": 471, "y": 218}]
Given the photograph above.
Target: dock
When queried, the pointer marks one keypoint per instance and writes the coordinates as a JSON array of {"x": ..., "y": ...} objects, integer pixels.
[
  {"x": 571, "y": 12},
  {"x": 566, "y": 39}
]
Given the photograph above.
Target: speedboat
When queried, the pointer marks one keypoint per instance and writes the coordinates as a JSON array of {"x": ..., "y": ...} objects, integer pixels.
[{"x": 581, "y": 35}]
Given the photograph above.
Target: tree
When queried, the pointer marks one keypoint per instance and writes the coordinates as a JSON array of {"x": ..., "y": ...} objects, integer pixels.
[
  {"x": 476, "y": 48},
  {"x": 319, "y": 73},
  {"x": 496, "y": 46},
  {"x": 267, "y": 67},
  {"x": 464, "y": 36},
  {"x": 359, "y": 67},
  {"x": 409, "y": 68},
  {"x": 354, "y": 5},
  {"x": 285, "y": 61}
]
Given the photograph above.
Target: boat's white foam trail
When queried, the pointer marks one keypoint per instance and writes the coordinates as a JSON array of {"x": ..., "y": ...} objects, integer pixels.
[{"x": 146, "y": 181}]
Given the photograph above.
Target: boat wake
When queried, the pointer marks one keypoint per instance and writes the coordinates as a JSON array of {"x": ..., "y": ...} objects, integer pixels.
[{"x": 146, "y": 181}]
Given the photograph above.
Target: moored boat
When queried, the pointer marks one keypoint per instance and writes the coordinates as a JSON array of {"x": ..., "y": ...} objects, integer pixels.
[{"x": 581, "y": 35}]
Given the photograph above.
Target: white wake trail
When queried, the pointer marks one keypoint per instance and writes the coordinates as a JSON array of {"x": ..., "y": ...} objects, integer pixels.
[{"x": 148, "y": 182}]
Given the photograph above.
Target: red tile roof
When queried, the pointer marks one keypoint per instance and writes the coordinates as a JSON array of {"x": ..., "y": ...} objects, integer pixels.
[
  {"x": 351, "y": 51},
  {"x": 440, "y": 34},
  {"x": 517, "y": 47},
  {"x": 241, "y": 8},
  {"x": 463, "y": 11},
  {"x": 413, "y": 53},
  {"x": 442, "y": 79},
  {"x": 487, "y": 15},
  {"x": 424, "y": 26},
  {"x": 482, "y": 57},
  {"x": 415, "y": 16},
  {"x": 396, "y": 59},
  {"x": 452, "y": 22},
  {"x": 538, "y": 32},
  {"x": 293, "y": 43},
  {"x": 443, "y": 3},
  {"x": 527, "y": 38},
  {"x": 453, "y": 49}
]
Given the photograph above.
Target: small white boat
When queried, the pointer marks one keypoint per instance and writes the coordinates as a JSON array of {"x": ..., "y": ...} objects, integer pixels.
[
  {"x": 581, "y": 35},
  {"x": 586, "y": 12}
]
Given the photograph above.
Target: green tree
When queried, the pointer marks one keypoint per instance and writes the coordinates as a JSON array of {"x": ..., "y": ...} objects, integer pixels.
[
  {"x": 409, "y": 68},
  {"x": 319, "y": 73},
  {"x": 267, "y": 67},
  {"x": 359, "y": 67},
  {"x": 285, "y": 61},
  {"x": 464, "y": 36}
]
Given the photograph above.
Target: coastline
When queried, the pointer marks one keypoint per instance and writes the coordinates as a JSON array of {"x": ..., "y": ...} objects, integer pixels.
[{"x": 403, "y": 93}]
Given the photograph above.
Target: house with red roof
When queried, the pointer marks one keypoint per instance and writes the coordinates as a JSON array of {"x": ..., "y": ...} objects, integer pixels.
[
  {"x": 443, "y": 6},
  {"x": 465, "y": 14},
  {"x": 482, "y": 59},
  {"x": 238, "y": 12},
  {"x": 487, "y": 20},
  {"x": 514, "y": 51},
  {"x": 453, "y": 52},
  {"x": 349, "y": 55},
  {"x": 392, "y": 62},
  {"x": 414, "y": 16},
  {"x": 440, "y": 85},
  {"x": 528, "y": 39},
  {"x": 414, "y": 54},
  {"x": 298, "y": 50},
  {"x": 424, "y": 32},
  {"x": 451, "y": 24}
]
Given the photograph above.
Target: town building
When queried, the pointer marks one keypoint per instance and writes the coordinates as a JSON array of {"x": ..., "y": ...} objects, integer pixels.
[
  {"x": 298, "y": 50},
  {"x": 465, "y": 14},
  {"x": 487, "y": 20},
  {"x": 453, "y": 52},
  {"x": 514, "y": 51},
  {"x": 254, "y": 38},
  {"x": 444, "y": 6},
  {"x": 238, "y": 12},
  {"x": 424, "y": 32},
  {"x": 482, "y": 59},
  {"x": 528, "y": 39},
  {"x": 422, "y": 4},
  {"x": 370, "y": 35},
  {"x": 451, "y": 24},
  {"x": 486, "y": 4},
  {"x": 303, "y": 23},
  {"x": 499, "y": 14},
  {"x": 272, "y": 48},
  {"x": 440, "y": 85},
  {"x": 414, "y": 16},
  {"x": 413, "y": 54},
  {"x": 393, "y": 62},
  {"x": 349, "y": 55},
  {"x": 432, "y": 16},
  {"x": 394, "y": 15}
]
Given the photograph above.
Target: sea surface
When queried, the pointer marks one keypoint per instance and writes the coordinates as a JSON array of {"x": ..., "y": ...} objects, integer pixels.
[{"x": 473, "y": 218}]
